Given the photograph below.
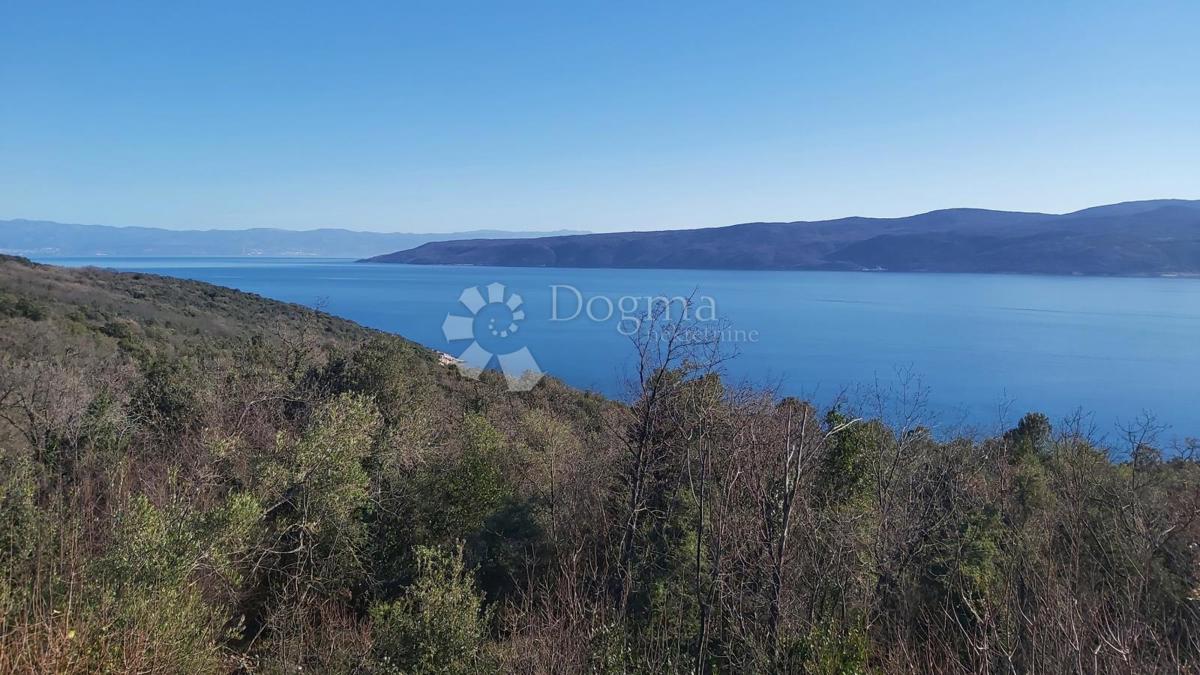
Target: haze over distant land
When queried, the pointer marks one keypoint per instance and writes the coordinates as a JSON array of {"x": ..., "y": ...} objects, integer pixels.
[
  {"x": 44, "y": 238},
  {"x": 1155, "y": 237}
]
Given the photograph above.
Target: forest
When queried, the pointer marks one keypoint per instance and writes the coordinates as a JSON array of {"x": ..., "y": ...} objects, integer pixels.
[{"x": 195, "y": 479}]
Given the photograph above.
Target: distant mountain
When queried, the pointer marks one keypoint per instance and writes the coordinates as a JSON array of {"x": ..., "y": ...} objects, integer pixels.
[
  {"x": 1133, "y": 238},
  {"x": 44, "y": 238}
]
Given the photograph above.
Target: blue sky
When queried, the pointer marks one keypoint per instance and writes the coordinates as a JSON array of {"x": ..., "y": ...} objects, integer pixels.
[{"x": 440, "y": 116}]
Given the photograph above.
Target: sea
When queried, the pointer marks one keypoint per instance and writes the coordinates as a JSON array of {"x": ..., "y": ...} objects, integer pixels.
[{"x": 956, "y": 353}]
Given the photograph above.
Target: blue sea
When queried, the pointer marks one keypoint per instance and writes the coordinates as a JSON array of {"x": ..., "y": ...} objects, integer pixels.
[{"x": 972, "y": 351}]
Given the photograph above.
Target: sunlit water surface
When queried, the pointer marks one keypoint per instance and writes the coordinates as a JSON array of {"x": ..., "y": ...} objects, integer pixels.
[{"x": 986, "y": 347}]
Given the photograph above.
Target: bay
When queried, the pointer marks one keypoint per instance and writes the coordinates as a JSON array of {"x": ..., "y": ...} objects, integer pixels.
[{"x": 985, "y": 348}]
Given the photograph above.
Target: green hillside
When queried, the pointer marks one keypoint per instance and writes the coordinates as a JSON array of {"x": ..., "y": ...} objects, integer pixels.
[{"x": 195, "y": 479}]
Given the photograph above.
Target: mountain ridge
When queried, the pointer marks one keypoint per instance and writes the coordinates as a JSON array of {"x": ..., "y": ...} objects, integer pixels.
[
  {"x": 1151, "y": 237},
  {"x": 50, "y": 238}
]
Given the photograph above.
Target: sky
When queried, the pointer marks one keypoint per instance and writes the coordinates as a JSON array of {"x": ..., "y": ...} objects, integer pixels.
[{"x": 602, "y": 116}]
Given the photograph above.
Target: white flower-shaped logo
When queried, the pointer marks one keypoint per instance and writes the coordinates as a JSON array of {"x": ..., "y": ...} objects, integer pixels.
[{"x": 492, "y": 327}]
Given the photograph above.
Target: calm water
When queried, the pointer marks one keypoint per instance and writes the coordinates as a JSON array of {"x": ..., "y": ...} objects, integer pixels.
[{"x": 981, "y": 344}]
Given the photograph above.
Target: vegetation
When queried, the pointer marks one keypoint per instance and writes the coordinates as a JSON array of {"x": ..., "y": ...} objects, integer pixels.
[{"x": 194, "y": 479}]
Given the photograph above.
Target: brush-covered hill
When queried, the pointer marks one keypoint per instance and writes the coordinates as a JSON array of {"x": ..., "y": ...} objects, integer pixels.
[
  {"x": 1134, "y": 238},
  {"x": 199, "y": 480}
]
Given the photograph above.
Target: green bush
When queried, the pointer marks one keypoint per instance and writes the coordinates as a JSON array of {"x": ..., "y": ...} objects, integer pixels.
[
  {"x": 168, "y": 399},
  {"x": 829, "y": 650},
  {"x": 456, "y": 498},
  {"x": 21, "y": 307},
  {"x": 317, "y": 491},
  {"x": 143, "y": 590},
  {"x": 438, "y": 625},
  {"x": 21, "y": 524}
]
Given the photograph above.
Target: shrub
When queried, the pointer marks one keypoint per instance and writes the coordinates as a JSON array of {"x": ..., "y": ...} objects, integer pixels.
[
  {"x": 21, "y": 307},
  {"x": 438, "y": 625}
]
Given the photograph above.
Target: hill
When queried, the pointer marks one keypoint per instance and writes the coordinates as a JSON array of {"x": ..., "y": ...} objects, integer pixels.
[
  {"x": 1134, "y": 238},
  {"x": 44, "y": 239},
  {"x": 199, "y": 480}
]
